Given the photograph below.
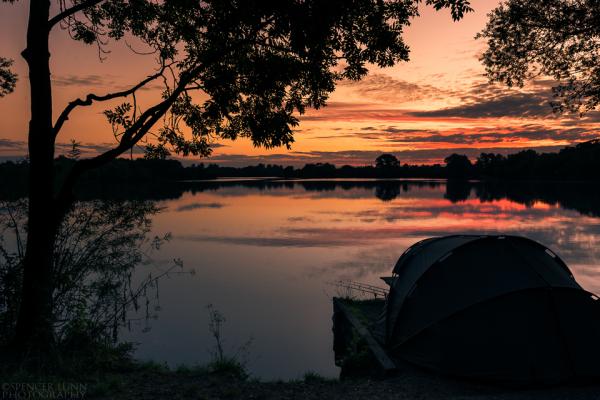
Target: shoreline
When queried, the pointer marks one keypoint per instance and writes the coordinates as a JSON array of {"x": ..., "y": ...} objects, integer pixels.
[{"x": 409, "y": 384}]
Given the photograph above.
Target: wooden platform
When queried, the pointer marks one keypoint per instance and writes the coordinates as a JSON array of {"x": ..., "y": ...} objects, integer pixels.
[{"x": 353, "y": 341}]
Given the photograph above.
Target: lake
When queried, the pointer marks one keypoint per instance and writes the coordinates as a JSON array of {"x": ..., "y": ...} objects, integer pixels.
[{"x": 265, "y": 253}]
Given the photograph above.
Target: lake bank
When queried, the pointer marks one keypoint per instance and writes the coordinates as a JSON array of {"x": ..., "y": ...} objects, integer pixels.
[
  {"x": 127, "y": 379},
  {"x": 412, "y": 384}
]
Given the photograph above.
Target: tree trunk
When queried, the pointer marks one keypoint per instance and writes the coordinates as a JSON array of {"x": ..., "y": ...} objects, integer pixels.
[{"x": 34, "y": 331}]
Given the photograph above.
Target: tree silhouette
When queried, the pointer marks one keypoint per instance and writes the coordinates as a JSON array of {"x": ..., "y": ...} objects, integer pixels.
[
  {"x": 490, "y": 164},
  {"x": 556, "y": 38},
  {"x": 458, "y": 166},
  {"x": 256, "y": 65},
  {"x": 387, "y": 161}
]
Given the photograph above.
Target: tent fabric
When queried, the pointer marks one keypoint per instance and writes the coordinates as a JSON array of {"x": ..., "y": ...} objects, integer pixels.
[
  {"x": 497, "y": 307},
  {"x": 411, "y": 266}
]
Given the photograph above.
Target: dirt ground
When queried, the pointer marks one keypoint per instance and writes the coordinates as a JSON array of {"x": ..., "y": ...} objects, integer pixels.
[{"x": 412, "y": 385}]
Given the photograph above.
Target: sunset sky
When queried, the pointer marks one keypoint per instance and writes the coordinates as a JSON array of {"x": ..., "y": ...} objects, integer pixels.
[{"x": 421, "y": 111}]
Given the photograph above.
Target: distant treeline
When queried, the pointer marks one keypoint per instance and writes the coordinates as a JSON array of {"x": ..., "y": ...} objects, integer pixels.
[{"x": 579, "y": 162}]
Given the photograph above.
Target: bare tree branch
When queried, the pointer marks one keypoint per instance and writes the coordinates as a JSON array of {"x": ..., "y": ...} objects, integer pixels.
[
  {"x": 90, "y": 98},
  {"x": 70, "y": 11}
]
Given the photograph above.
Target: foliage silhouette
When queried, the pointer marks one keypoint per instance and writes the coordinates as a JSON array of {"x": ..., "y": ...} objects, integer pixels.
[
  {"x": 387, "y": 166},
  {"x": 8, "y": 79},
  {"x": 458, "y": 166},
  {"x": 98, "y": 245},
  {"x": 555, "y": 38},
  {"x": 387, "y": 161},
  {"x": 579, "y": 162}
]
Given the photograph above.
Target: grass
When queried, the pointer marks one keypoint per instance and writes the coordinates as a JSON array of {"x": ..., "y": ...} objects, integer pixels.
[
  {"x": 184, "y": 369},
  {"x": 228, "y": 366},
  {"x": 314, "y": 377},
  {"x": 153, "y": 366},
  {"x": 109, "y": 384}
]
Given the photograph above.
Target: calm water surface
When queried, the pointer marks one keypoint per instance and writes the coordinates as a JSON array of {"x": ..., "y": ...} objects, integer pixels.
[{"x": 264, "y": 253}]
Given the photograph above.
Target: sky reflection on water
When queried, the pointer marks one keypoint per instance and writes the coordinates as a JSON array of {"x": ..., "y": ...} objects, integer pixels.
[{"x": 264, "y": 253}]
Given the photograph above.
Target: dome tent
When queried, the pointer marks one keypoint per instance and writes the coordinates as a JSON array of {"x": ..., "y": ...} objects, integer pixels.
[{"x": 503, "y": 308}]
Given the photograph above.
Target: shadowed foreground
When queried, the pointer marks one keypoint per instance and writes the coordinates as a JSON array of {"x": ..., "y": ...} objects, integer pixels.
[{"x": 408, "y": 385}]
